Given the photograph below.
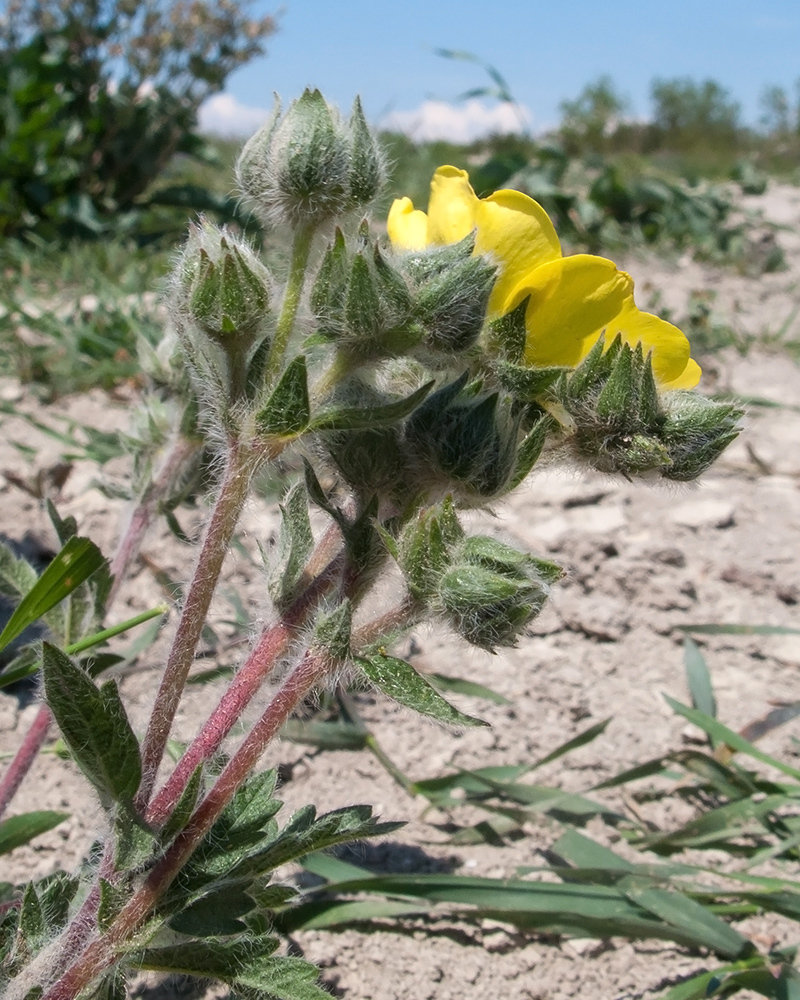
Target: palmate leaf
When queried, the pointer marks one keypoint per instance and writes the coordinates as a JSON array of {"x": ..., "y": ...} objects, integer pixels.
[
  {"x": 246, "y": 964},
  {"x": 94, "y": 725}
]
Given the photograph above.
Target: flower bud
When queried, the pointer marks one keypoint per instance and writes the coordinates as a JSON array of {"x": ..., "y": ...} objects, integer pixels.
[
  {"x": 492, "y": 591},
  {"x": 623, "y": 424},
  {"x": 696, "y": 432},
  {"x": 425, "y": 548},
  {"x": 363, "y": 303},
  {"x": 220, "y": 284},
  {"x": 467, "y": 438},
  {"x": 309, "y": 165},
  {"x": 452, "y": 305},
  {"x": 366, "y": 162}
]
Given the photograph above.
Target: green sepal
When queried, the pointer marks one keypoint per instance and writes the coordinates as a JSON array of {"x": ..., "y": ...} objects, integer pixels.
[
  {"x": 526, "y": 384},
  {"x": 288, "y": 410},
  {"x": 531, "y": 448},
  {"x": 295, "y": 543},
  {"x": 508, "y": 334},
  {"x": 352, "y": 418},
  {"x": 423, "y": 265},
  {"x": 366, "y": 173},
  {"x": 452, "y": 305},
  {"x": 618, "y": 402},
  {"x": 362, "y": 307},
  {"x": 332, "y": 632},
  {"x": 328, "y": 292},
  {"x": 94, "y": 725},
  {"x": 398, "y": 680}
]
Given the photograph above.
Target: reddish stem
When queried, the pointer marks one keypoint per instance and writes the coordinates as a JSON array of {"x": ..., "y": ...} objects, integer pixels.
[
  {"x": 227, "y": 510},
  {"x": 181, "y": 451},
  {"x": 25, "y": 756},
  {"x": 103, "y": 951}
]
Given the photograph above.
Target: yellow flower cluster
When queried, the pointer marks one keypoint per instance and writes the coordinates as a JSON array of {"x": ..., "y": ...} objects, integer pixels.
[{"x": 572, "y": 301}]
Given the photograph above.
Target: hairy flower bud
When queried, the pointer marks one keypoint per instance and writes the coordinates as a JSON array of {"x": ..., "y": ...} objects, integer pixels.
[
  {"x": 425, "y": 548},
  {"x": 466, "y": 439},
  {"x": 624, "y": 425},
  {"x": 452, "y": 305},
  {"x": 492, "y": 591},
  {"x": 220, "y": 284},
  {"x": 696, "y": 432},
  {"x": 309, "y": 165}
]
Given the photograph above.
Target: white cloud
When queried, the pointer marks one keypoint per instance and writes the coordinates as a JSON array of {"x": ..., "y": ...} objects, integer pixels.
[
  {"x": 456, "y": 122},
  {"x": 223, "y": 115}
]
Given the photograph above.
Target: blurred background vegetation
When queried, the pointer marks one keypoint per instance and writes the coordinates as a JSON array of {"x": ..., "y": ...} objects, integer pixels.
[{"x": 101, "y": 164}]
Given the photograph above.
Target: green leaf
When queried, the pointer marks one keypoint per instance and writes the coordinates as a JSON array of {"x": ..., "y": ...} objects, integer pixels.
[
  {"x": 75, "y": 563},
  {"x": 94, "y": 726},
  {"x": 26, "y": 664},
  {"x": 354, "y": 418},
  {"x": 461, "y": 686},
  {"x": 711, "y": 629},
  {"x": 730, "y": 738},
  {"x": 245, "y": 964},
  {"x": 699, "y": 679},
  {"x": 295, "y": 544},
  {"x": 325, "y": 735},
  {"x": 18, "y": 830},
  {"x": 112, "y": 900},
  {"x": 217, "y": 913},
  {"x": 17, "y": 576},
  {"x": 398, "y": 680},
  {"x": 287, "y": 411}
]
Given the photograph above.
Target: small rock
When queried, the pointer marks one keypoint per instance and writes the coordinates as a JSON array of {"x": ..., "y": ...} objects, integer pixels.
[
  {"x": 671, "y": 556},
  {"x": 587, "y": 947},
  {"x": 704, "y": 514},
  {"x": 786, "y": 650},
  {"x": 789, "y": 593}
]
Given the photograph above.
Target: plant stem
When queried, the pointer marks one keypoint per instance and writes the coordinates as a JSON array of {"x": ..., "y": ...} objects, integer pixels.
[
  {"x": 181, "y": 451},
  {"x": 230, "y": 501},
  {"x": 291, "y": 300},
  {"x": 103, "y": 951},
  {"x": 271, "y": 645},
  {"x": 25, "y": 756}
]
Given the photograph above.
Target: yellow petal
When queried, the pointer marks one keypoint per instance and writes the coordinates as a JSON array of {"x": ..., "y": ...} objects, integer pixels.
[
  {"x": 571, "y": 299},
  {"x": 666, "y": 344},
  {"x": 451, "y": 210},
  {"x": 518, "y": 233},
  {"x": 407, "y": 226}
]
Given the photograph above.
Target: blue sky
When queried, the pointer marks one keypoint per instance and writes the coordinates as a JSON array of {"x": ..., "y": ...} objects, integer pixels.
[{"x": 546, "y": 51}]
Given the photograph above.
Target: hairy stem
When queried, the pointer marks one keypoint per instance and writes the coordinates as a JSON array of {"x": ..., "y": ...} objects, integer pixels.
[
  {"x": 182, "y": 450},
  {"x": 227, "y": 510},
  {"x": 291, "y": 301},
  {"x": 271, "y": 646},
  {"x": 103, "y": 951},
  {"x": 25, "y": 756}
]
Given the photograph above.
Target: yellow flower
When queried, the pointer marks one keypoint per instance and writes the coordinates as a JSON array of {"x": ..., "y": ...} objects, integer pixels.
[{"x": 571, "y": 300}]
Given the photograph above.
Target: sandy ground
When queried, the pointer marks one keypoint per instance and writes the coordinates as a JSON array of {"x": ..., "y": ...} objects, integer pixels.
[{"x": 640, "y": 562}]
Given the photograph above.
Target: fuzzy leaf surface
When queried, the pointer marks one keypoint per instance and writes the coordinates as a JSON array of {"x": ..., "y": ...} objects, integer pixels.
[
  {"x": 398, "y": 680},
  {"x": 94, "y": 726}
]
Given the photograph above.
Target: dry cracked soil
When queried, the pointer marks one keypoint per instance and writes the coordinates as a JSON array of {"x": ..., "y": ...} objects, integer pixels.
[{"x": 640, "y": 561}]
